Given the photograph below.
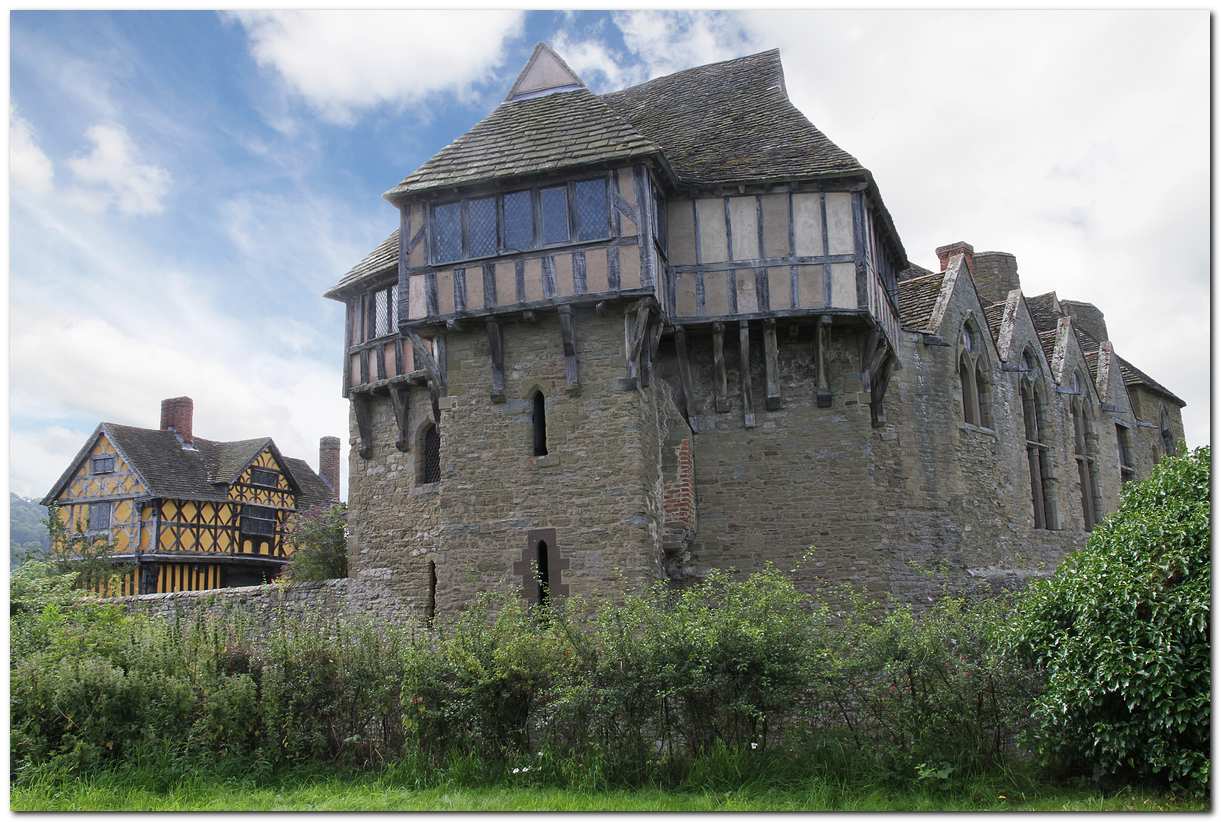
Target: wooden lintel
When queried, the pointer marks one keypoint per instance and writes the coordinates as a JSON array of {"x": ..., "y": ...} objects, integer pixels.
[
  {"x": 684, "y": 370},
  {"x": 569, "y": 334},
  {"x": 823, "y": 395},
  {"x": 748, "y": 406},
  {"x": 400, "y": 398},
  {"x": 362, "y": 404},
  {"x": 771, "y": 363},
  {"x": 497, "y": 356},
  {"x": 720, "y": 381}
]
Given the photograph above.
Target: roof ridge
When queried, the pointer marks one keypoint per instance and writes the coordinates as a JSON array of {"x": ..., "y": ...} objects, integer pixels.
[{"x": 701, "y": 66}]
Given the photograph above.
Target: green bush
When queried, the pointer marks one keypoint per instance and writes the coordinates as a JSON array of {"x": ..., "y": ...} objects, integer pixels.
[
  {"x": 320, "y": 549},
  {"x": 1121, "y": 634}
]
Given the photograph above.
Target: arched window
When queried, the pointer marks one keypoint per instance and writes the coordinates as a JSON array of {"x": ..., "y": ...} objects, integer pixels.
[
  {"x": 1168, "y": 444},
  {"x": 538, "y": 419},
  {"x": 1037, "y": 451},
  {"x": 1083, "y": 453},
  {"x": 429, "y": 455},
  {"x": 972, "y": 378}
]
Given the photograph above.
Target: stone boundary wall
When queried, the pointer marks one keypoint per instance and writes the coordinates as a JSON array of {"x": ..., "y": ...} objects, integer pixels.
[{"x": 305, "y": 598}]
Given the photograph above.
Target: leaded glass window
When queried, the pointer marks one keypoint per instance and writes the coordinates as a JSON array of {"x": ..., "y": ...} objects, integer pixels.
[
  {"x": 381, "y": 313},
  {"x": 103, "y": 465},
  {"x": 99, "y": 516},
  {"x": 430, "y": 456},
  {"x": 258, "y": 520},
  {"x": 394, "y": 307},
  {"x": 519, "y": 221},
  {"x": 481, "y": 227},
  {"x": 554, "y": 206},
  {"x": 447, "y": 232},
  {"x": 264, "y": 476},
  {"x": 590, "y": 211}
]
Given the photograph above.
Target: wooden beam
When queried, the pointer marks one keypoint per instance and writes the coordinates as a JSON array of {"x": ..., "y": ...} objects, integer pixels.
[
  {"x": 363, "y": 405},
  {"x": 720, "y": 382},
  {"x": 684, "y": 370},
  {"x": 771, "y": 357},
  {"x": 497, "y": 356},
  {"x": 569, "y": 334},
  {"x": 635, "y": 326},
  {"x": 748, "y": 406},
  {"x": 649, "y": 354},
  {"x": 400, "y": 399},
  {"x": 877, "y": 394},
  {"x": 823, "y": 395}
]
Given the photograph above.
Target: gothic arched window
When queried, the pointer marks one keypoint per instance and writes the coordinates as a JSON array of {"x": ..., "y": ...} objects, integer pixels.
[
  {"x": 1168, "y": 444},
  {"x": 1037, "y": 451},
  {"x": 1083, "y": 453},
  {"x": 967, "y": 374}
]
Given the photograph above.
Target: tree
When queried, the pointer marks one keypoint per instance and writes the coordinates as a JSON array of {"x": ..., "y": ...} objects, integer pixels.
[{"x": 320, "y": 548}]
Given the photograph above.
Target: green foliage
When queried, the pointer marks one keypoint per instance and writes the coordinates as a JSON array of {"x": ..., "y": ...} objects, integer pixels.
[
  {"x": 1121, "y": 635},
  {"x": 319, "y": 548},
  {"x": 86, "y": 555},
  {"x": 28, "y": 537}
]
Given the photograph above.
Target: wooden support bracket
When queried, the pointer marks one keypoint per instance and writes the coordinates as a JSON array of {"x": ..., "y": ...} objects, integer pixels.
[
  {"x": 720, "y": 382},
  {"x": 569, "y": 333},
  {"x": 362, "y": 404},
  {"x": 748, "y": 406},
  {"x": 771, "y": 363},
  {"x": 400, "y": 398},
  {"x": 635, "y": 326},
  {"x": 649, "y": 354},
  {"x": 497, "y": 356},
  {"x": 823, "y": 395}
]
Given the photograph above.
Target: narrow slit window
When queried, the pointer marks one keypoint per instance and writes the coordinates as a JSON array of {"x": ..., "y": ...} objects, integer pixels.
[
  {"x": 430, "y": 609},
  {"x": 430, "y": 455},
  {"x": 544, "y": 572},
  {"x": 539, "y": 424}
]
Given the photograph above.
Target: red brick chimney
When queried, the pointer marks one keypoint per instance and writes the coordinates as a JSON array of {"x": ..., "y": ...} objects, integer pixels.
[
  {"x": 177, "y": 414},
  {"x": 945, "y": 252},
  {"x": 328, "y": 464}
]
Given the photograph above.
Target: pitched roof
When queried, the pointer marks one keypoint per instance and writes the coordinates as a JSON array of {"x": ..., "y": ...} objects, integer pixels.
[
  {"x": 1134, "y": 376},
  {"x": 383, "y": 258},
  {"x": 993, "y": 314},
  {"x": 731, "y": 122},
  {"x": 200, "y": 473},
  {"x": 1043, "y": 312},
  {"x": 1047, "y": 339},
  {"x": 917, "y": 299},
  {"x": 561, "y": 130},
  {"x": 314, "y": 492}
]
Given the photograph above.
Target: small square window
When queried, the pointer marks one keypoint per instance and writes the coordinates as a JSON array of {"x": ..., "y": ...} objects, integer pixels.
[
  {"x": 99, "y": 516},
  {"x": 103, "y": 465},
  {"x": 481, "y": 227},
  {"x": 590, "y": 210},
  {"x": 446, "y": 232},
  {"x": 519, "y": 221},
  {"x": 264, "y": 476},
  {"x": 554, "y": 202}
]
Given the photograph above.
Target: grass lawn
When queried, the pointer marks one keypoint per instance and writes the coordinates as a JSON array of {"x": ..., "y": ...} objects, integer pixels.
[{"x": 373, "y": 792}]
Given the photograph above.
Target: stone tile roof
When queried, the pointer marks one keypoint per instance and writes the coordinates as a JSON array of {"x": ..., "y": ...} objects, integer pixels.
[
  {"x": 314, "y": 492},
  {"x": 550, "y": 133},
  {"x": 383, "y": 258},
  {"x": 731, "y": 122},
  {"x": 1043, "y": 312},
  {"x": 917, "y": 298},
  {"x": 994, "y": 314},
  {"x": 1047, "y": 339},
  {"x": 1134, "y": 376},
  {"x": 201, "y": 473}
]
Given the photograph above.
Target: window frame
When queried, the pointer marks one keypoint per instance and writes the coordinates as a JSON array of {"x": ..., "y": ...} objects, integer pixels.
[
  {"x": 536, "y": 215},
  {"x": 99, "y": 506},
  {"x": 247, "y": 513},
  {"x": 274, "y": 474},
  {"x": 370, "y": 299},
  {"x": 1127, "y": 469},
  {"x": 421, "y": 472},
  {"x": 93, "y": 465}
]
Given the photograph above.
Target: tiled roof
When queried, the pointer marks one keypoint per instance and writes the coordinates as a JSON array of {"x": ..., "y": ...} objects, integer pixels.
[
  {"x": 549, "y": 133},
  {"x": 382, "y": 258},
  {"x": 1134, "y": 376},
  {"x": 201, "y": 473},
  {"x": 1047, "y": 339},
  {"x": 731, "y": 122},
  {"x": 917, "y": 298},
  {"x": 912, "y": 271},
  {"x": 994, "y": 314},
  {"x": 314, "y": 492},
  {"x": 1043, "y": 312}
]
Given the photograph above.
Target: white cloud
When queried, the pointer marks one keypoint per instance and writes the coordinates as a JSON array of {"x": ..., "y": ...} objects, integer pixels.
[
  {"x": 668, "y": 41},
  {"x": 113, "y": 175},
  {"x": 29, "y": 166},
  {"x": 344, "y": 62},
  {"x": 37, "y": 457}
]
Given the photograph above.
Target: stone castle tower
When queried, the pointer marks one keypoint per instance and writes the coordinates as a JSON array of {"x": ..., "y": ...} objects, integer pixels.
[{"x": 636, "y": 336}]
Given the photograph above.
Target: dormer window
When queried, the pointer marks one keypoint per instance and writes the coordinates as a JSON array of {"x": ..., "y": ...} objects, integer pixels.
[
  {"x": 520, "y": 221},
  {"x": 264, "y": 476},
  {"x": 103, "y": 465}
]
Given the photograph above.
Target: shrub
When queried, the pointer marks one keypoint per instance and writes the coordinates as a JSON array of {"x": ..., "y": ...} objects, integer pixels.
[
  {"x": 1121, "y": 633},
  {"x": 319, "y": 546}
]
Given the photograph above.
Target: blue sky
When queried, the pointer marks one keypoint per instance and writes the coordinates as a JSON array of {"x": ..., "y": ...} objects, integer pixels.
[{"x": 184, "y": 186}]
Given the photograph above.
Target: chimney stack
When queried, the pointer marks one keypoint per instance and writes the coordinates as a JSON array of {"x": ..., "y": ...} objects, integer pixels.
[
  {"x": 996, "y": 274},
  {"x": 177, "y": 414},
  {"x": 328, "y": 464},
  {"x": 945, "y": 252}
]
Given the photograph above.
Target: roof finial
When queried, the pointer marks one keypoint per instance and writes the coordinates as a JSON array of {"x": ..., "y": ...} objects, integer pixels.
[{"x": 545, "y": 73}]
